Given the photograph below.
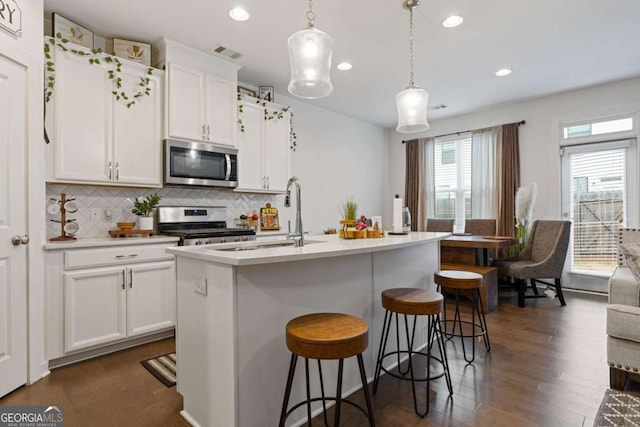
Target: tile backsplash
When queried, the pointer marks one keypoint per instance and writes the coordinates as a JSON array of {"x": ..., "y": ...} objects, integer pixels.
[{"x": 119, "y": 202}]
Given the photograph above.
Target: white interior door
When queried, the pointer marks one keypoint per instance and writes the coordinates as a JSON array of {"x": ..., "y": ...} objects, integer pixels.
[
  {"x": 598, "y": 197},
  {"x": 13, "y": 277}
]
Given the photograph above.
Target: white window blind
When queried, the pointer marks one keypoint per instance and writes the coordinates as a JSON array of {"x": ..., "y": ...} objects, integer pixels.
[
  {"x": 452, "y": 176},
  {"x": 598, "y": 199}
]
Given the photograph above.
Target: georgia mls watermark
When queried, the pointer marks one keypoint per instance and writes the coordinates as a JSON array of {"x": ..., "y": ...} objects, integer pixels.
[{"x": 31, "y": 416}]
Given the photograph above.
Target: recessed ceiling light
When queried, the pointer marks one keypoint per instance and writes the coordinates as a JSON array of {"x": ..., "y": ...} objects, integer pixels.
[
  {"x": 503, "y": 72},
  {"x": 452, "y": 21},
  {"x": 344, "y": 66},
  {"x": 239, "y": 14}
]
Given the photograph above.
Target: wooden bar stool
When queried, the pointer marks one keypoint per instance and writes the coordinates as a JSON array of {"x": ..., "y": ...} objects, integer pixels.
[
  {"x": 413, "y": 302},
  {"x": 456, "y": 281},
  {"x": 326, "y": 336}
]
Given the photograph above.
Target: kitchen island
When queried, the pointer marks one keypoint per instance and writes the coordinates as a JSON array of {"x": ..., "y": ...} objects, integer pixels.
[{"x": 234, "y": 301}]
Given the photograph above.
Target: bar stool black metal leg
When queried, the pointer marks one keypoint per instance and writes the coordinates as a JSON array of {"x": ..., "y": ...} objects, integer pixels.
[
  {"x": 287, "y": 392},
  {"x": 365, "y": 390},
  {"x": 336, "y": 421},
  {"x": 437, "y": 330},
  {"x": 306, "y": 374},
  {"x": 483, "y": 323},
  {"x": 473, "y": 330},
  {"x": 383, "y": 346},
  {"x": 398, "y": 345},
  {"x": 324, "y": 404}
]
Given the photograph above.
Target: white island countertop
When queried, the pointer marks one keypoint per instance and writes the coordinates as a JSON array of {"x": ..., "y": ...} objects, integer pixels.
[{"x": 315, "y": 247}]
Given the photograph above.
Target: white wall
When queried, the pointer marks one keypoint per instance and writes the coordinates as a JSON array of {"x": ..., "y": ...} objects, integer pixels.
[
  {"x": 337, "y": 157},
  {"x": 539, "y": 137}
]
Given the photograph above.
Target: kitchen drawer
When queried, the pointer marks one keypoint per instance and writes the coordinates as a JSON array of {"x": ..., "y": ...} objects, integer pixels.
[{"x": 115, "y": 256}]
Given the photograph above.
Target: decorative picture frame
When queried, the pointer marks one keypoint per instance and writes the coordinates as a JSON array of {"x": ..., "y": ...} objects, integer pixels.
[
  {"x": 132, "y": 51},
  {"x": 245, "y": 91},
  {"x": 266, "y": 93},
  {"x": 76, "y": 34}
]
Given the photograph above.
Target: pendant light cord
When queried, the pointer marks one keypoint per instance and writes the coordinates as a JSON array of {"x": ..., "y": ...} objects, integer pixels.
[
  {"x": 310, "y": 15},
  {"x": 411, "y": 47}
]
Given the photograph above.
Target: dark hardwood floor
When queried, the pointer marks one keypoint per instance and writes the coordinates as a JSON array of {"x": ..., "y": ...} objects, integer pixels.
[{"x": 547, "y": 367}]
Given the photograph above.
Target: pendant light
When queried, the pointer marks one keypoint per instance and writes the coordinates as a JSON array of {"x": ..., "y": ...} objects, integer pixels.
[
  {"x": 310, "y": 53},
  {"x": 411, "y": 103}
]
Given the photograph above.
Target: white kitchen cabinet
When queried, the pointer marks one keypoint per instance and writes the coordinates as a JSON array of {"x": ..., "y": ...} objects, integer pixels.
[
  {"x": 96, "y": 139},
  {"x": 263, "y": 149},
  {"x": 95, "y": 307},
  {"x": 201, "y": 105},
  {"x": 108, "y": 296}
]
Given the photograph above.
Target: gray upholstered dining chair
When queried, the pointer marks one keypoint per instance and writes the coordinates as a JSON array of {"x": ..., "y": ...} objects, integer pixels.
[
  {"x": 480, "y": 227},
  {"x": 440, "y": 225},
  {"x": 542, "y": 258}
]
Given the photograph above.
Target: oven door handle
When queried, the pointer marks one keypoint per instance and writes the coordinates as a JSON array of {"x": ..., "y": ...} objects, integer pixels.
[{"x": 227, "y": 174}]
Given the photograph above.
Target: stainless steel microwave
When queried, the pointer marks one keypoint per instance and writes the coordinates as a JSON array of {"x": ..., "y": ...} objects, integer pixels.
[{"x": 201, "y": 164}]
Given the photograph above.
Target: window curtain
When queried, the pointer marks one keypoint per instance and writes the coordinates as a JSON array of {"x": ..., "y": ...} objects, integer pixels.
[
  {"x": 484, "y": 200},
  {"x": 508, "y": 175},
  {"x": 415, "y": 193}
]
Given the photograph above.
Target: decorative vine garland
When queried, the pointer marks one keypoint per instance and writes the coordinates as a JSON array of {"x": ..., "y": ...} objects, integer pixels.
[
  {"x": 275, "y": 114},
  {"x": 94, "y": 57}
]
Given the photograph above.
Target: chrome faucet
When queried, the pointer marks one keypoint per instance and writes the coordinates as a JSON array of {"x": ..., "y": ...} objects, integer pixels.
[{"x": 298, "y": 235}]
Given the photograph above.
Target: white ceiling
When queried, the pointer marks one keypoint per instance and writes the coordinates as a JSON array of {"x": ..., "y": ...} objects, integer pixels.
[{"x": 551, "y": 45}]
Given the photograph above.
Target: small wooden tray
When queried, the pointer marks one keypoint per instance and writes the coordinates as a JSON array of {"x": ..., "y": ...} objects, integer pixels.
[{"x": 130, "y": 232}]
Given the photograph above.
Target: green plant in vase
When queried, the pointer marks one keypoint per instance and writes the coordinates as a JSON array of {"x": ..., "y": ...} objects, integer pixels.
[
  {"x": 349, "y": 209},
  {"x": 143, "y": 209}
]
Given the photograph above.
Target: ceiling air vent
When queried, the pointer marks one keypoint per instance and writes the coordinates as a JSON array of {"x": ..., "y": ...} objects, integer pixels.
[{"x": 229, "y": 53}]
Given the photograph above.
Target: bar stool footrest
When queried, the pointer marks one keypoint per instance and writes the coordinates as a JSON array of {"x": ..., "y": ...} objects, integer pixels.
[
  {"x": 404, "y": 377},
  {"x": 449, "y": 335},
  {"x": 320, "y": 399}
]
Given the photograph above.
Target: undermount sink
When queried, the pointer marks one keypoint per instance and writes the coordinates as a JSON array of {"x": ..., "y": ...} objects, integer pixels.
[{"x": 252, "y": 246}]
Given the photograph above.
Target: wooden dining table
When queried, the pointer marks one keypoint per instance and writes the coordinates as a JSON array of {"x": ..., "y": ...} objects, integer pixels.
[{"x": 472, "y": 249}]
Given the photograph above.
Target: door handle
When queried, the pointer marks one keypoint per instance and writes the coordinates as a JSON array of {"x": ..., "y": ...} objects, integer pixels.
[
  {"x": 110, "y": 169},
  {"x": 117, "y": 171},
  {"x": 130, "y": 278},
  {"x": 123, "y": 280},
  {"x": 20, "y": 240},
  {"x": 208, "y": 132}
]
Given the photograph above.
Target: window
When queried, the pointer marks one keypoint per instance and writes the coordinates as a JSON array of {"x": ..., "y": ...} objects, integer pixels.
[
  {"x": 597, "y": 128},
  {"x": 598, "y": 197},
  {"x": 452, "y": 178}
]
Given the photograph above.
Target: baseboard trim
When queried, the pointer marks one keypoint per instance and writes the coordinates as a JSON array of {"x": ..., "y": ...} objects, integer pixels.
[{"x": 112, "y": 348}]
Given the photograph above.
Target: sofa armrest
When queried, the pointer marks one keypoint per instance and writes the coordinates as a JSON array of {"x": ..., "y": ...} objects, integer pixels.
[
  {"x": 624, "y": 288},
  {"x": 623, "y": 321}
]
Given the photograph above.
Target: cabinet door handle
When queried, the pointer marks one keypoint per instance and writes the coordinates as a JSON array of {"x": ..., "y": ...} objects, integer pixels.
[
  {"x": 130, "y": 278},
  {"x": 208, "y": 132},
  {"x": 268, "y": 182},
  {"x": 122, "y": 279},
  {"x": 117, "y": 171},
  {"x": 109, "y": 171},
  {"x": 203, "y": 132},
  {"x": 127, "y": 256}
]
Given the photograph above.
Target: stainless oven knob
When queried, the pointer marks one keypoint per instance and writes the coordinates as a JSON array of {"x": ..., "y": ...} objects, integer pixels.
[
  {"x": 198, "y": 242},
  {"x": 245, "y": 238},
  {"x": 223, "y": 240},
  {"x": 208, "y": 242}
]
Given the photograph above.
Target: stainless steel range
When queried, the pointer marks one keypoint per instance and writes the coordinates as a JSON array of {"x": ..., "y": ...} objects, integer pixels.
[{"x": 200, "y": 225}]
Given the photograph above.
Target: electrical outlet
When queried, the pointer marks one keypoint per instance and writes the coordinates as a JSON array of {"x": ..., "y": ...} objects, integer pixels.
[{"x": 200, "y": 286}]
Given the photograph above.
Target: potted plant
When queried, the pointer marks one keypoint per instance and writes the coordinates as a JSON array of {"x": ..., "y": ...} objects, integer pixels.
[
  {"x": 143, "y": 209},
  {"x": 349, "y": 211}
]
